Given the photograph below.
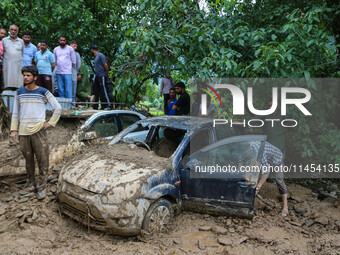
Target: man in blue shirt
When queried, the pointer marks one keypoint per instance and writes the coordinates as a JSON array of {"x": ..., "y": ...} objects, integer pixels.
[
  {"x": 29, "y": 50},
  {"x": 172, "y": 101},
  {"x": 45, "y": 62}
]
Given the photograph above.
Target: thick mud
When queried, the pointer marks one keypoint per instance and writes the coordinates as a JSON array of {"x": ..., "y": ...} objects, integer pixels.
[{"x": 29, "y": 226}]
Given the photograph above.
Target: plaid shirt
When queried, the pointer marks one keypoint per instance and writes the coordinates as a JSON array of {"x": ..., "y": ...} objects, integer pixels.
[{"x": 271, "y": 156}]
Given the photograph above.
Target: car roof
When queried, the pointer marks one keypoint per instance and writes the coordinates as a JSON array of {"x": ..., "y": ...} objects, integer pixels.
[
  {"x": 117, "y": 112},
  {"x": 178, "y": 122}
]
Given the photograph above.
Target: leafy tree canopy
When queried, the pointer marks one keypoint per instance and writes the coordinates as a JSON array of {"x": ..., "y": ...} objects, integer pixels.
[{"x": 146, "y": 39}]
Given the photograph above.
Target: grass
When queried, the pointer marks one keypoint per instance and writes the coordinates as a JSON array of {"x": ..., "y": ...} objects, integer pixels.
[{"x": 156, "y": 112}]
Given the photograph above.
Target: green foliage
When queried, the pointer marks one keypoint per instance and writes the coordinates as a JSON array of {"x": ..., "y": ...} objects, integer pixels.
[{"x": 147, "y": 39}]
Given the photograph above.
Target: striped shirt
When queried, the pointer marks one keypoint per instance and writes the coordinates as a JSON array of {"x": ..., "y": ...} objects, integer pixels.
[{"x": 29, "y": 110}]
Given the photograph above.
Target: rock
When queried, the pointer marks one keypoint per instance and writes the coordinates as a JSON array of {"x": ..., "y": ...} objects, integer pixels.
[
  {"x": 333, "y": 193},
  {"x": 177, "y": 241},
  {"x": 8, "y": 199},
  {"x": 322, "y": 220},
  {"x": 239, "y": 228},
  {"x": 204, "y": 228},
  {"x": 166, "y": 242},
  {"x": 248, "y": 222},
  {"x": 132, "y": 146},
  {"x": 229, "y": 222},
  {"x": 333, "y": 188},
  {"x": 29, "y": 220},
  {"x": 6, "y": 226},
  {"x": 236, "y": 221},
  {"x": 23, "y": 200},
  {"x": 309, "y": 222},
  {"x": 297, "y": 199},
  {"x": 226, "y": 251},
  {"x": 201, "y": 245},
  {"x": 28, "y": 195},
  {"x": 338, "y": 225},
  {"x": 35, "y": 215},
  {"x": 219, "y": 230},
  {"x": 20, "y": 214},
  {"x": 295, "y": 223},
  {"x": 231, "y": 230},
  {"x": 53, "y": 189},
  {"x": 2, "y": 210},
  {"x": 337, "y": 203},
  {"x": 241, "y": 240},
  {"x": 326, "y": 194},
  {"x": 224, "y": 241},
  {"x": 330, "y": 226}
]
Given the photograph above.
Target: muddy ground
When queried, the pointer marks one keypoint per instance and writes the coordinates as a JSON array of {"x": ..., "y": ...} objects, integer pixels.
[{"x": 29, "y": 226}]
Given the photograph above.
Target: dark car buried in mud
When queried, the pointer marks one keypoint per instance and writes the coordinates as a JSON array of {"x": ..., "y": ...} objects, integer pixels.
[{"x": 138, "y": 186}]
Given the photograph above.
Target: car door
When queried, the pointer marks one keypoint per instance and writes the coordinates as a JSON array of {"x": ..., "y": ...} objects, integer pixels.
[{"x": 221, "y": 178}]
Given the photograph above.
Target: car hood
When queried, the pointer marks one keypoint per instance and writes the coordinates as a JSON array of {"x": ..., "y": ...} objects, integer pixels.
[{"x": 100, "y": 175}]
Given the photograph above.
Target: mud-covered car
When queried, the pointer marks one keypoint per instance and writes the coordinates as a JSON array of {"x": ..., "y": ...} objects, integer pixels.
[
  {"x": 107, "y": 124},
  {"x": 124, "y": 188}
]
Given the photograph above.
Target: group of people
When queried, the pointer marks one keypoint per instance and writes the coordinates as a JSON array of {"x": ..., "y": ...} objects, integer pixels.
[
  {"x": 181, "y": 105},
  {"x": 172, "y": 104},
  {"x": 62, "y": 72}
]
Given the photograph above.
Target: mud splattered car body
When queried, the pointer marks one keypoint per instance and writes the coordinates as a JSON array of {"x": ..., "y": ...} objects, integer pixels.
[{"x": 115, "y": 194}]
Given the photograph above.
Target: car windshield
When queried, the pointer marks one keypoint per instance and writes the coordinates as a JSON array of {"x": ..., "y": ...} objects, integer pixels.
[{"x": 162, "y": 140}]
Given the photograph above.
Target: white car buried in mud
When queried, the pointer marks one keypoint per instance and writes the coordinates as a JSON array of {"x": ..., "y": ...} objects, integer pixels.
[{"x": 123, "y": 188}]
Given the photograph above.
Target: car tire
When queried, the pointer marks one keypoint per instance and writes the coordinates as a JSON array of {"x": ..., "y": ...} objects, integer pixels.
[{"x": 159, "y": 216}]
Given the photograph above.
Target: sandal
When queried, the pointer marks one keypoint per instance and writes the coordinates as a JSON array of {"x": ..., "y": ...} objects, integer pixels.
[{"x": 284, "y": 213}]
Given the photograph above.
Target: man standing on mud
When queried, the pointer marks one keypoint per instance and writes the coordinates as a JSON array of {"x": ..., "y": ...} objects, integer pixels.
[{"x": 28, "y": 119}]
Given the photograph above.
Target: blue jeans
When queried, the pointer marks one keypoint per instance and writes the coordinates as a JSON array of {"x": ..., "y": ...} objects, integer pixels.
[{"x": 65, "y": 85}]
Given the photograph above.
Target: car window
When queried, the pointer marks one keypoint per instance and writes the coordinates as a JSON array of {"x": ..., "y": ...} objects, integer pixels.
[
  {"x": 199, "y": 140},
  {"x": 224, "y": 131},
  {"x": 104, "y": 126},
  {"x": 129, "y": 119},
  {"x": 237, "y": 154}
]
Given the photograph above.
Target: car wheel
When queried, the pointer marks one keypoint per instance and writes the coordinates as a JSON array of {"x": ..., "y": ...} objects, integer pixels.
[{"x": 159, "y": 216}]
